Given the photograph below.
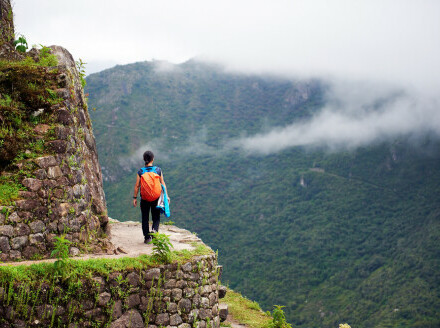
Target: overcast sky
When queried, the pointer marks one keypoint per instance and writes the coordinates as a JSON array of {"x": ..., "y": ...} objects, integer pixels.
[
  {"x": 387, "y": 40},
  {"x": 384, "y": 42}
]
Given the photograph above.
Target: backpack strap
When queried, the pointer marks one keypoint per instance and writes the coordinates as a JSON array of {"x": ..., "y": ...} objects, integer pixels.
[{"x": 149, "y": 169}]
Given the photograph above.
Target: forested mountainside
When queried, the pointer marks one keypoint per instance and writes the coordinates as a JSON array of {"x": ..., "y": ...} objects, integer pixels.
[{"x": 335, "y": 237}]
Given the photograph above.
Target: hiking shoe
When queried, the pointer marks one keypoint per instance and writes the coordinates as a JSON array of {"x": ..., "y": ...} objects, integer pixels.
[{"x": 147, "y": 240}]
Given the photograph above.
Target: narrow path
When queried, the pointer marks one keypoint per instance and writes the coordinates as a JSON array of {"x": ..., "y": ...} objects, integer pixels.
[
  {"x": 128, "y": 240},
  {"x": 127, "y": 237},
  {"x": 355, "y": 179},
  {"x": 234, "y": 322}
]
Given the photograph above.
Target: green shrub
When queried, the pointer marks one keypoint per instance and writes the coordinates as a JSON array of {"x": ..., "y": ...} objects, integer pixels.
[
  {"x": 5, "y": 101},
  {"x": 162, "y": 247},
  {"x": 47, "y": 58},
  {"x": 61, "y": 252},
  {"x": 80, "y": 65},
  {"x": 21, "y": 44},
  {"x": 279, "y": 319}
]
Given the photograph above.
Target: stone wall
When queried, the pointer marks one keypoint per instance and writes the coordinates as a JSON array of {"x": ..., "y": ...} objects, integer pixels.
[
  {"x": 173, "y": 295},
  {"x": 6, "y": 22},
  {"x": 7, "y": 36},
  {"x": 64, "y": 193}
]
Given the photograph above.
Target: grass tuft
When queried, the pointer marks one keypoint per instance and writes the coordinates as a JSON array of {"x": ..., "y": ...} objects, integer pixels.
[
  {"x": 79, "y": 268},
  {"x": 9, "y": 192},
  {"x": 246, "y": 311}
]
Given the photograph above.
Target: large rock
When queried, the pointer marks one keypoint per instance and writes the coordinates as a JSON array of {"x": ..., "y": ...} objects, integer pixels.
[
  {"x": 6, "y": 230},
  {"x": 19, "y": 242},
  {"x": 152, "y": 274},
  {"x": 222, "y": 291},
  {"x": 163, "y": 319},
  {"x": 46, "y": 161},
  {"x": 54, "y": 172},
  {"x": 175, "y": 320},
  {"x": 104, "y": 298},
  {"x": 64, "y": 57},
  {"x": 22, "y": 229},
  {"x": 37, "y": 226},
  {"x": 185, "y": 305},
  {"x": 4, "y": 244},
  {"x": 223, "y": 311},
  {"x": 27, "y": 204},
  {"x": 131, "y": 319},
  {"x": 32, "y": 184},
  {"x": 133, "y": 279}
]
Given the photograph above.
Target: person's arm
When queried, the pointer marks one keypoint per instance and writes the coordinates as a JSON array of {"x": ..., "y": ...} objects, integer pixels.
[
  {"x": 162, "y": 181},
  {"x": 136, "y": 189}
]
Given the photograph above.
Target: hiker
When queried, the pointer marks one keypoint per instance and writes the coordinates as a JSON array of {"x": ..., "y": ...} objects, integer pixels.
[{"x": 149, "y": 180}]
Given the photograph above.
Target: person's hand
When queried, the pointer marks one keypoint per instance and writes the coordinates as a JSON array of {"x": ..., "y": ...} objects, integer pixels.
[
  {"x": 135, "y": 202},
  {"x": 169, "y": 200}
]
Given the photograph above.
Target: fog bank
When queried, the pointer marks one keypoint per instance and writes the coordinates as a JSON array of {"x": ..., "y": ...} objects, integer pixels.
[{"x": 356, "y": 114}]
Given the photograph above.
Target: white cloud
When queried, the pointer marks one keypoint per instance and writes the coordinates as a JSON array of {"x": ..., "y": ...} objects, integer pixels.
[{"x": 357, "y": 114}]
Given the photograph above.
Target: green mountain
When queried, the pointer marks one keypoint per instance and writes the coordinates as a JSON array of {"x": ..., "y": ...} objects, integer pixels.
[{"x": 335, "y": 237}]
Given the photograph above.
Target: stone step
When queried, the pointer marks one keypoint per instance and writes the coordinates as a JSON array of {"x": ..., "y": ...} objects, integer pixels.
[
  {"x": 223, "y": 311},
  {"x": 222, "y": 290}
]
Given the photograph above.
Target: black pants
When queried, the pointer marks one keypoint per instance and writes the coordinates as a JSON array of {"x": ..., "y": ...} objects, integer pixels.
[{"x": 146, "y": 207}]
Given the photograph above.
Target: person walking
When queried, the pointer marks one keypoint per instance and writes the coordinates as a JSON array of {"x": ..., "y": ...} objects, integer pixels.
[{"x": 149, "y": 180}]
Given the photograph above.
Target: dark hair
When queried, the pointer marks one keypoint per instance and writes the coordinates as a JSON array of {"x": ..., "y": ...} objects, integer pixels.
[{"x": 148, "y": 156}]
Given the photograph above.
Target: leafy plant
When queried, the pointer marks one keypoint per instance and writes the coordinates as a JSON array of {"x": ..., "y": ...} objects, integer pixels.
[
  {"x": 162, "y": 247},
  {"x": 21, "y": 44},
  {"x": 279, "y": 319},
  {"x": 6, "y": 101},
  {"x": 344, "y": 325},
  {"x": 61, "y": 252},
  {"x": 72, "y": 162},
  {"x": 53, "y": 98},
  {"x": 46, "y": 57},
  {"x": 80, "y": 65}
]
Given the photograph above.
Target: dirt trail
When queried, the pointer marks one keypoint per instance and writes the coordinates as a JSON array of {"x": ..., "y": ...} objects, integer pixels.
[
  {"x": 128, "y": 237},
  {"x": 234, "y": 323},
  {"x": 128, "y": 240}
]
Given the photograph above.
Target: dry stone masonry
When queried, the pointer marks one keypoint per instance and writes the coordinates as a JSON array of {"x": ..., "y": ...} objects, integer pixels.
[
  {"x": 173, "y": 295},
  {"x": 64, "y": 193},
  {"x": 6, "y": 22},
  {"x": 7, "y": 35}
]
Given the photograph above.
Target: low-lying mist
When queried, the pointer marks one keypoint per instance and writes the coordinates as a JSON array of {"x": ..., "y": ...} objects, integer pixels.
[{"x": 355, "y": 114}]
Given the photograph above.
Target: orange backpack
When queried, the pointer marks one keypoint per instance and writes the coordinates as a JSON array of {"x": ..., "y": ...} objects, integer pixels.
[{"x": 150, "y": 184}]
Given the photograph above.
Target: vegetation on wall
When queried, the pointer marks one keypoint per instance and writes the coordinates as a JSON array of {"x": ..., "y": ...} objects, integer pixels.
[
  {"x": 27, "y": 93},
  {"x": 55, "y": 295}
]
